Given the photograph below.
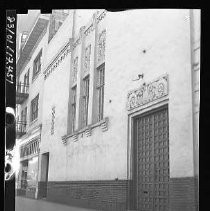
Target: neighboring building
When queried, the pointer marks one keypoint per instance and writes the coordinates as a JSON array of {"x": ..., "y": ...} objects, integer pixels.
[
  {"x": 119, "y": 109},
  {"x": 29, "y": 95},
  {"x": 24, "y": 25}
]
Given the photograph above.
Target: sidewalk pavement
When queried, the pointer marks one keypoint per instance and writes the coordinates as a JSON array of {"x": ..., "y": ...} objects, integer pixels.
[{"x": 27, "y": 204}]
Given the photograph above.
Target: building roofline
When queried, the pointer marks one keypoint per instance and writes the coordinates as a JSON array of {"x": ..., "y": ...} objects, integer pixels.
[{"x": 33, "y": 37}]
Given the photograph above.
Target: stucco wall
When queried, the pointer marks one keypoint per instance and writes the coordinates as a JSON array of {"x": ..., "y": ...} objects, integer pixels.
[
  {"x": 195, "y": 26},
  {"x": 35, "y": 86},
  {"x": 61, "y": 37},
  {"x": 165, "y": 37},
  {"x": 56, "y": 93},
  {"x": 82, "y": 17}
]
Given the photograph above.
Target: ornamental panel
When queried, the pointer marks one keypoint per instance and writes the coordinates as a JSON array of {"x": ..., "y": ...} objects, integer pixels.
[
  {"x": 53, "y": 121},
  {"x": 87, "y": 59},
  {"x": 148, "y": 93},
  {"x": 101, "y": 46},
  {"x": 75, "y": 69}
]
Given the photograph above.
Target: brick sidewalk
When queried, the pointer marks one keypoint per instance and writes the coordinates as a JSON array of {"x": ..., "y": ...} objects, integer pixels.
[{"x": 27, "y": 204}]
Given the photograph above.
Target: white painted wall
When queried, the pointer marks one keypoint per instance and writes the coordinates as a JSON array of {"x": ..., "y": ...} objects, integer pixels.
[
  {"x": 82, "y": 17},
  {"x": 36, "y": 86},
  {"x": 56, "y": 92},
  {"x": 165, "y": 35},
  {"x": 196, "y": 33},
  {"x": 61, "y": 37}
]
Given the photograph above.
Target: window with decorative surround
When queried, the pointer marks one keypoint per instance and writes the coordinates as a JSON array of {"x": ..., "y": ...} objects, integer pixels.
[
  {"x": 34, "y": 108},
  {"x": 85, "y": 102},
  {"x": 100, "y": 90},
  {"x": 99, "y": 77},
  {"x": 89, "y": 76},
  {"x": 73, "y": 107},
  {"x": 37, "y": 65}
]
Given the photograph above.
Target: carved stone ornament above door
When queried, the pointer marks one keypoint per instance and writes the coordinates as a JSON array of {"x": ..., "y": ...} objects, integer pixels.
[{"x": 148, "y": 93}]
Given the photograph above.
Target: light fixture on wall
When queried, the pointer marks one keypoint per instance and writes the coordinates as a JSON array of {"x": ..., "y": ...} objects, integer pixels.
[
  {"x": 10, "y": 116},
  {"x": 140, "y": 76}
]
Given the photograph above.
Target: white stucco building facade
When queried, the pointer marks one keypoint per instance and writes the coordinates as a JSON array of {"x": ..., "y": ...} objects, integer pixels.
[{"x": 119, "y": 110}]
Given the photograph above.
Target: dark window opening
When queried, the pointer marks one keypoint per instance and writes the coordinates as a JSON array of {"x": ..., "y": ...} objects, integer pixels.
[
  {"x": 34, "y": 108},
  {"x": 73, "y": 107},
  {"x": 85, "y": 96},
  {"x": 100, "y": 90},
  {"x": 37, "y": 65}
]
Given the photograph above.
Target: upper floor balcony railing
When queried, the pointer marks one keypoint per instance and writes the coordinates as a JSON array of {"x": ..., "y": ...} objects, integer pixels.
[
  {"x": 20, "y": 128},
  {"x": 21, "y": 92}
]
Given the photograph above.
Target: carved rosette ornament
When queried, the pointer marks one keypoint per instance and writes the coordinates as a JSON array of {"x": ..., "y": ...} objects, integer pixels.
[
  {"x": 148, "y": 93},
  {"x": 75, "y": 67},
  {"x": 101, "y": 46},
  {"x": 87, "y": 59}
]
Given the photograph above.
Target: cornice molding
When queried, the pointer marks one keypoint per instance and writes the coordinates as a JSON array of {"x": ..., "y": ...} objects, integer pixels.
[{"x": 58, "y": 59}]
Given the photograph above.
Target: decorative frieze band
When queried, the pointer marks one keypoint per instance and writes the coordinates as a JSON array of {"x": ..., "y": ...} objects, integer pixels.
[
  {"x": 88, "y": 132},
  {"x": 64, "y": 141},
  {"x": 101, "y": 16},
  {"x": 89, "y": 29},
  {"x": 77, "y": 42},
  {"x": 57, "y": 60},
  {"x": 148, "y": 93},
  {"x": 103, "y": 124}
]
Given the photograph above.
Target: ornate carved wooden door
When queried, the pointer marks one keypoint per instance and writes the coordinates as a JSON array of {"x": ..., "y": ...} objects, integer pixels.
[{"x": 151, "y": 150}]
